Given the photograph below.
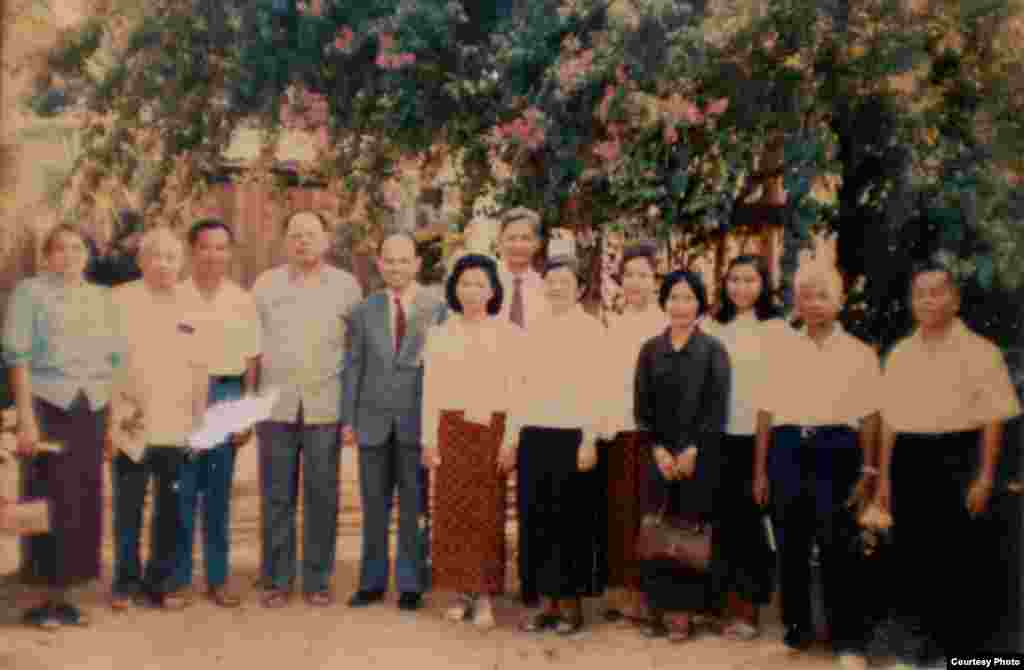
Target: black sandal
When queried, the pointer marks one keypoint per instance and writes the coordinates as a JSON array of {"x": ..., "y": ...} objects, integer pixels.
[
  {"x": 654, "y": 629},
  {"x": 43, "y": 617},
  {"x": 571, "y": 626},
  {"x": 540, "y": 622},
  {"x": 69, "y": 615}
]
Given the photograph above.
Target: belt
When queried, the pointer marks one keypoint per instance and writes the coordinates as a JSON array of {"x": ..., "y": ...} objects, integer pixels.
[{"x": 227, "y": 379}]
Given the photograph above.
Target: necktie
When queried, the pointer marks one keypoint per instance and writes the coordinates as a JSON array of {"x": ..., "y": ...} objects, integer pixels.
[
  {"x": 399, "y": 324},
  {"x": 515, "y": 312}
]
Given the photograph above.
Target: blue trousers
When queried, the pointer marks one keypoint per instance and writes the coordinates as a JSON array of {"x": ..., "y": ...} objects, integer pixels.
[
  {"x": 208, "y": 475},
  {"x": 383, "y": 470},
  {"x": 812, "y": 474}
]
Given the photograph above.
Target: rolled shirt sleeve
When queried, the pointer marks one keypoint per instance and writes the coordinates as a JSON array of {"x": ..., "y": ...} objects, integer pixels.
[{"x": 19, "y": 326}]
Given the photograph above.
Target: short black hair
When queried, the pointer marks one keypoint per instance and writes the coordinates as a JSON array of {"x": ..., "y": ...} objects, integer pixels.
[
  {"x": 929, "y": 266},
  {"x": 521, "y": 214},
  {"x": 202, "y": 225},
  {"x": 764, "y": 306},
  {"x": 646, "y": 250},
  {"x": 469, "y": 262},
  {"x": 693, "y": 280}
]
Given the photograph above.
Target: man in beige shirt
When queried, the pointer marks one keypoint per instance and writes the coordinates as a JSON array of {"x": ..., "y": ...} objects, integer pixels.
[
  {"x": 815, "y": 442},
  {"x": 303, "y": 308},
  {"x": 164, "y": 375},
  {"x": 946, "y": 395},
  {"x": 226, "y": 315}
]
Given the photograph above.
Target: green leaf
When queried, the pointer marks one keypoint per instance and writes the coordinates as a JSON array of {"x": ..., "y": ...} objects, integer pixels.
[{"x": 986, "y": 271}]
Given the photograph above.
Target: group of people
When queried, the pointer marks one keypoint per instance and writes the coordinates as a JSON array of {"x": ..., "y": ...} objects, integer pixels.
[{"x": 606, "y": 430}]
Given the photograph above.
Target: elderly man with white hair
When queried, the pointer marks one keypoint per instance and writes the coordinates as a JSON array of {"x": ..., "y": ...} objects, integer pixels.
[
  {"x": 815, "y": 445},
  {"x": 304, "y": 307},
  {"x": 164, "y": 377}
]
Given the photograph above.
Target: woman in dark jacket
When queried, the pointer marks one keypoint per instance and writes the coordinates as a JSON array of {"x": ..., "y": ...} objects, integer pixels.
[{"x": 682, "y": 395}]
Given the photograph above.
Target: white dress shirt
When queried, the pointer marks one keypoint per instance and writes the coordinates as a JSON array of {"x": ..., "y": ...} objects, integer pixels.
[
  {"x": 535, "y": 302},
  {"x": 407, "y": 298}
]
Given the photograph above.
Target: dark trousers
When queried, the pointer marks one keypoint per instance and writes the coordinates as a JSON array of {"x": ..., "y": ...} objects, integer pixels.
[
  {"x": 130, "y": 479},
  {"x": 208, "y": 476},
  {"x": 938, "y": 547},
  {"x": 560, "y": 525},
  {"x": 812, "y": 476},
  {"x": 281, "y": 445},
  {"x": 528, "y": 452},
  {"x": 383, "y": 469},
  {"x": 744, "y": 562}
]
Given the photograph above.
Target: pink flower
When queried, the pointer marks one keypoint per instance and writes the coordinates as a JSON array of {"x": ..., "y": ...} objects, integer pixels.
[
  {"x": 770, "y": 40},
  {"x": 387, "y": 41},
  {"x": 344, "y": 39},
  {"x": 407, "y": 58},
  {"x": 608, "y": 151},
  {"x": 620, "y": 74},
  {"x": 616, "y": 129},
  {"x": 669, "y": 134},
  {"x": 692, "y": 114},
  {"x": 323, "y": 139},
  {"x": 717, "y": 107},
  {"x": 606, "y": 101}
]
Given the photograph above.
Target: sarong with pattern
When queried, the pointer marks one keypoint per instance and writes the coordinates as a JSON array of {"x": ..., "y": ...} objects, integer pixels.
[
  {"x": 468, "y": 547},
  {"x": 628, "y": 458}
]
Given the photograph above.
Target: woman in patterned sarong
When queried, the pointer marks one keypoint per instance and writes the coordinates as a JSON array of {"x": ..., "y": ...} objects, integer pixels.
[
  {"x": 628, "y": 456},
  {"x": 469, "y": 380}
]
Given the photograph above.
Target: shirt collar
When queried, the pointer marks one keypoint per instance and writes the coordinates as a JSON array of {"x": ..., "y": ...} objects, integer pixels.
[
  {"x": 406, "y": 296},
  {"x": 957, "y": 331},
  {"x": 837, "y": 330},
  {"x": 530, "y": 276},
  {"x": 746, "y": 320},
  {"x": 689, "y": 349},
  {"x": 293, "y": 274}
]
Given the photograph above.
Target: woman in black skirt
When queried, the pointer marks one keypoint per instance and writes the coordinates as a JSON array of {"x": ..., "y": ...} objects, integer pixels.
[
  {"x": 747, "y": 323},
  {"x": 559, "y": 411},
  {"x": 59, "y": 344},
  {"x": 682, "y": 395}
]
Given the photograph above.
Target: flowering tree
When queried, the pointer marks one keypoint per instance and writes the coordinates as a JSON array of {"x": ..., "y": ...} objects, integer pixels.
[{"x": 615, "y": 119}]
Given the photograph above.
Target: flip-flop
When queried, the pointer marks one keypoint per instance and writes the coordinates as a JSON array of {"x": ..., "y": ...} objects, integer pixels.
[
  {"x": 679, "y": 628},
  {"x": 274, "y": 599},
  {"x": 540, "y": 622},
  {"x": 43, "y": 617},
  {"x": 69, "y": 615},
  {"x": 740, "y": 631},
  {"x": 320, "y": 598},
  {"x": 461, "y": 611}
]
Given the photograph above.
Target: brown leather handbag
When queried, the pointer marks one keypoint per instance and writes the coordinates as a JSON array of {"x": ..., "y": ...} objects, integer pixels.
[{"x": 674, "y": 538}]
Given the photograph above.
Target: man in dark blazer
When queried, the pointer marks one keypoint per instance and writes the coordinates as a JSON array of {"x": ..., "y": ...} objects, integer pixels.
[{"x": 381, "y": 410}]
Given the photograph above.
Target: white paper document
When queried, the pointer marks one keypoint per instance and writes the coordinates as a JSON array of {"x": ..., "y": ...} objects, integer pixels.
[{"x": 232, "y": 416}]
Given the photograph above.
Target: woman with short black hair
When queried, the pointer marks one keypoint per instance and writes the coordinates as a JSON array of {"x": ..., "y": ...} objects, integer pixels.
[
  {"x": 681, "y": 397},
  {"x": 469, "y": 379}
]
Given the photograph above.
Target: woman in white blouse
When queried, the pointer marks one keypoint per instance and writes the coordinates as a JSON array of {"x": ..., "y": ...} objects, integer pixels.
[
  {"x": 471, "y": 365},
  {"x": 562, "y": 403},
  {"x": 746, "y": 323},
  {"x": 626, "y": 456}
]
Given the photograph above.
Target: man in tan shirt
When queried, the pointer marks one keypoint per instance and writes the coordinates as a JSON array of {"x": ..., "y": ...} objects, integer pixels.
[
  {"x": 164, "y": 375},
  {"x": 819, "y": 421},
  {"x": 946, "y": 394}
]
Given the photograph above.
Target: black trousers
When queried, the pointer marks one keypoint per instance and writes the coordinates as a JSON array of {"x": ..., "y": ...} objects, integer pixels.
[
  {"x": 940, "y": 552},
  {"x": 812, "y": 473},
  {"x": 130, "y": 481},
  {"x": 559, "y": 530}
]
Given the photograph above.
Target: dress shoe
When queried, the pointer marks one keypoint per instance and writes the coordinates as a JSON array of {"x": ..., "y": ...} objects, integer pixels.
[
  {"x": 798, "y": 638},
  {"x": 363, "y": 598},
  {"x": 409, "y": 600}
]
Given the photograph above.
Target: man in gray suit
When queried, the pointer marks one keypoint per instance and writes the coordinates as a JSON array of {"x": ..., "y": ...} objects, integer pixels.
[{"x": 381, "y": 408}]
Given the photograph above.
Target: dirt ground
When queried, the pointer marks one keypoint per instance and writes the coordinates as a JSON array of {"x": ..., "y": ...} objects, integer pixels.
[{"x": 303, "y": 638}]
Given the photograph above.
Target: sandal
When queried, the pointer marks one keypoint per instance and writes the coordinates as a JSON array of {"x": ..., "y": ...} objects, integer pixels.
[
  {"x": 540, "y": 622},
  {"x": 678, "y": 628},
  {"x": 43, "y": 617},
  {"x": 320, "y": 598},
  {"x": 655, "y": 628},
  {"x": 571, "y": 626},
  {"x": 174, "y": 601},
  {"x": 740, "y": 631},
  {"x": 274, "y": 599},
  {"x": 484, "y": 618},
  {"x": 119, "y": 602},
  {"x": 69, "y": 615},
  {"x": 462, "y": 610},
  {"x": 224, "y": 598}
]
